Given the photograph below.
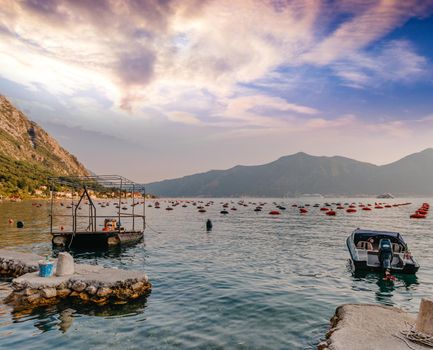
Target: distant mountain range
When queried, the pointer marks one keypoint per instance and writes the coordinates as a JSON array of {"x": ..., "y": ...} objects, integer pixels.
[
  {"x": 303, "y": 173},
  {"x": 28, "y": 154}
]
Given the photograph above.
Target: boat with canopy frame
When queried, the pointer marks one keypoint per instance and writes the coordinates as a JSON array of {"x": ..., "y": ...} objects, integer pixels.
[{"x": 72, "y": 226}]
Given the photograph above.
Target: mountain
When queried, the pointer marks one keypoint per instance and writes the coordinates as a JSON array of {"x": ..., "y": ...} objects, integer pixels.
[
  {"x": 28, "y": 154},
  {"x": 302, "y": 173}
]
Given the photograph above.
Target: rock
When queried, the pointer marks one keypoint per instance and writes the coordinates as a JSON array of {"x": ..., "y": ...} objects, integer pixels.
[
  {"x": 137, "y": 286},
  {"x": 103, "y": 292},
  {"x": 84, "y": 296},
  {"x": 79, "y": 286},
  {"x": 61, "y": 286},
  {"x": 91, "y": 290},
  {"x": 63, "y": 293},
  {"x": 32, "y": 299},
  {"x": 49, "y": 292},
  {"x": 65, "y": 264},
  {"x": 30, "y": 291},
  {"x": 122, "y": 294},
  {"x": 322, "y": 345},
  {"x": 99, "y": 301}
]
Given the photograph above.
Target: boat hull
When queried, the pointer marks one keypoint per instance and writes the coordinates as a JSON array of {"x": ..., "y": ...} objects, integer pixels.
[
  {"x": 358, "y": 266},
  {"x": 96, "y": 240}
]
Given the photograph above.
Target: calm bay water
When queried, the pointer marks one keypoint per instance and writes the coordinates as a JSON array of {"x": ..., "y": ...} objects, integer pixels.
[{"x": 254, "y": 282}]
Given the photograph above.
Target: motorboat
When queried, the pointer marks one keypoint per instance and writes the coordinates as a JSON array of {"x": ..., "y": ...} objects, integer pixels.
[{"x": 380, "y": 251}]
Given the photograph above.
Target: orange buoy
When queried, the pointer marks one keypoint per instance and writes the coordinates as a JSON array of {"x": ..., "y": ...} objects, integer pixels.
[{"x": 10, "y": 221}]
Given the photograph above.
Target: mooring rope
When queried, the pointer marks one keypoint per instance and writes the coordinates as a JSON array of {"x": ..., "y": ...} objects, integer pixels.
[
  {"x": 147, "y": 225},
  {"x": 415, "y": 336}
]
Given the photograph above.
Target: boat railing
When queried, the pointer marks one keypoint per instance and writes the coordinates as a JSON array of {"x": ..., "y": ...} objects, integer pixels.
[{"x": 82, "y": 190}]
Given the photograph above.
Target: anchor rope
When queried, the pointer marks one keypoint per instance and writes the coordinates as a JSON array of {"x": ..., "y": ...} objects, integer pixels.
[
  {"x": 147, "y": 225},
  {"x": 415, "y": 336}
]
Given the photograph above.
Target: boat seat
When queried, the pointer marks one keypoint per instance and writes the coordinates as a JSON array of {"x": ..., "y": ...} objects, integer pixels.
[
  {"x": 364, "y": 245},
  {"x": 397, "y": 248}
]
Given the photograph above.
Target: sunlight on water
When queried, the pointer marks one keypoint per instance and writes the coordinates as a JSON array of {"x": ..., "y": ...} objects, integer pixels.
[{"x": 254, "y": 281}]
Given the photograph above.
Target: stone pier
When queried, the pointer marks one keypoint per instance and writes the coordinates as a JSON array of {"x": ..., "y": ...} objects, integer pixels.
[
  {"x": 369, "y": 327},
  {"x": 89, "y": 283}
]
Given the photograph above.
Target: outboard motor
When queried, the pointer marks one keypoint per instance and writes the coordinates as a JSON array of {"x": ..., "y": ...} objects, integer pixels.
[{"x": 385, "y": 253}]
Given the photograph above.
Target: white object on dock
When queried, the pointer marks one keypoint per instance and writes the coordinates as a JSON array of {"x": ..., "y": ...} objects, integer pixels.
[
  {"x": 65, "y": 264},
  {"x": 424, "y": 322}
]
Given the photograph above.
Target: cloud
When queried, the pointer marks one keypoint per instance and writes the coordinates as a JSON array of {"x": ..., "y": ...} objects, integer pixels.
[
  {"x": 395, "y": 61},
  {"x": 184, "y": 118},
  {"x": 158, "y": 54},
  {"x": 369, "y": 22}
]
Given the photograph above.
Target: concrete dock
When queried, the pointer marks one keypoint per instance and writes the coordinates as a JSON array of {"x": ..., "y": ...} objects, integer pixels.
[
  {"x": 369, "y": 327},
  {"x": 89, "y": 283}
]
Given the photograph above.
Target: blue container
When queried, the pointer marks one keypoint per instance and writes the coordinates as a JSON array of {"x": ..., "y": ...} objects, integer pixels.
[{"x": 46, "y": 268}]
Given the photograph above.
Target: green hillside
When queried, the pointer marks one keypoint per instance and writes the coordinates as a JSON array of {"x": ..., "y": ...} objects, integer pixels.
[{"x": 29, "y": 155}]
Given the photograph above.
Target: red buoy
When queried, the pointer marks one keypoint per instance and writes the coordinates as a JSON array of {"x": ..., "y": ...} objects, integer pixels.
[
  {"x": 366, "y": 208},
  {"x": 274, "y": 212},
  {"x": 324, "y": 209},
  {"x": 417, "y": 216},
  {"x": 303, "y": 210},
  {"x": 331, "y": 213},
  {"x": 350, "y": 210}
]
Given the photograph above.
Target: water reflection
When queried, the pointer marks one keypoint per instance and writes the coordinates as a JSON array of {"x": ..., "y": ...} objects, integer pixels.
[
  {"x": 61, "y": 316},
  {"x": 385, "y": 289}
]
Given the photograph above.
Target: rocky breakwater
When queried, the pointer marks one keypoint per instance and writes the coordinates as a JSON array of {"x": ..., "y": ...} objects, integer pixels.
[
  {"x": 14, "y": 264},
  {"x": 88, "y": 283}
]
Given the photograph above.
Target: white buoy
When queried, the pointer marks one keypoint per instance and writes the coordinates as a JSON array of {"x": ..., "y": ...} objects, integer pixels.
[
  {"x": 424, "y": 321},
  {"x": 65, "y": 264}
]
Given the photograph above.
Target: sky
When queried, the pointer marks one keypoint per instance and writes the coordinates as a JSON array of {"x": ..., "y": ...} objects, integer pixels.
[{"x": 158, "y": 89}]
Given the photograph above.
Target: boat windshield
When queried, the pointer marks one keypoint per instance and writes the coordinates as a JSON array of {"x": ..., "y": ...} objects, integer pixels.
[{"x": 375, "y": 237}]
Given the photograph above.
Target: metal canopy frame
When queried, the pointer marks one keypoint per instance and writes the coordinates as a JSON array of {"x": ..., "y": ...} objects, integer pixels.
[{"x": 111, "y": 183}]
